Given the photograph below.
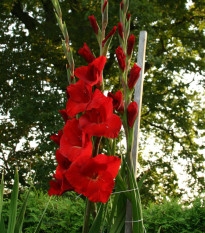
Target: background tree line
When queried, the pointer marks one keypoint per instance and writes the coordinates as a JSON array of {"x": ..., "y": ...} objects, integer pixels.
[{"x": 33, "y": 83}]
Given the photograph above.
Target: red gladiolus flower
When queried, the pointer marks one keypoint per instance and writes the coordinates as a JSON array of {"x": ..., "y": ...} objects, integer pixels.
[
  {"x": 56, "y": 137},
  {"x": 99, "y": 119},
  {"x": 112, "y": 32},
  {"x": 74, "y": 142},
  {"x": 80, "y": 95},
  {"x": 128, "y": 16},
  {"x": 134, "y": 76},
  {"x": 92, "y": 74},
  {"x": 86, "y": 53},
  {"x": 130, "y": 46},
  {"x": 117, "y": 101},
  {"x": 104, "y": 5},
  {"x": 120, "y": 31},
  {"x": 132, "y": 112},
  {"x": 93, "y": 23},
  {"x": 60, "y": 184},
  {"x": 64, "y": 114},
  {"x": 121, "y": 58},
  {"x": 93, "y": 177}
]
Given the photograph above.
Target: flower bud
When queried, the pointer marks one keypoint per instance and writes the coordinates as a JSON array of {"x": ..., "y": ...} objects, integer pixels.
[
  {"x": 128, "y": 16},
  {"x": 104, "y": 5},
  {"x": 132, "y": 112},
  {"x": 118, "y": 104},
  {"x": 64, "y": 115},
  {"x": 130, "y": 45},
  {"x": 112, "y": 32},
  {"x": 134, "y": 76},
  {"x": 120, "y": 30},
  {"x": 121, "y": 58},
  {"x": 86, "y": 53},
  {"x": 94, "y": 24}
]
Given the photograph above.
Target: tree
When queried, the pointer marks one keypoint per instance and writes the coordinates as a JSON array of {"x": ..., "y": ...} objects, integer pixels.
[{"x": 33, "y": 83}]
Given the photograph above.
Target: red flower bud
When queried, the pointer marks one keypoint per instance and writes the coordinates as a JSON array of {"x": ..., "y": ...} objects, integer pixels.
[
  {"x": 117, "y": 101},
  {"x": 56, "y": 138},
  {"x": 105, "y": 4},
  {"x": 64, "y": 114},
  {"x": 86, "y": 53},
  {"x": 112, "y": 32},
  {"x": 128, "y": 16},
  {"x": 93, "y": 23},
  {"x": 132, "y": 112},
  {"x": 121, "y": 58},
  {"x": 134, "y": 76},
  {"x": 67, "y": 66},
  {"x": 121, "y": 5},
  {"x": 131, "y": 43},
  {"x": 120, "y": 31}
]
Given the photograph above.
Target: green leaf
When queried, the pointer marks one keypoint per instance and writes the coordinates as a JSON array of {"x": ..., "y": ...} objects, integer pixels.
[
  {"x": 1, "y": 193},
  {"x": 20, "y": 219},
  {"x": 40, "y": 222},
  {"x": 2, "y": 226},
  {"x": 97, "y": 222},
  {"x": 13, "y": 205}
]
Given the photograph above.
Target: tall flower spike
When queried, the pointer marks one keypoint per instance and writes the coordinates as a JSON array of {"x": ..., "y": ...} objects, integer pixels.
[
  {"x": 130, "y": 46},
  {"x": 94, "y": 24},
  {"x": 86, "y": 53},
  {"x": 121, "y": 58},
  {"x": 132, "y": 112},
  {"x": 134, "y": 76}
]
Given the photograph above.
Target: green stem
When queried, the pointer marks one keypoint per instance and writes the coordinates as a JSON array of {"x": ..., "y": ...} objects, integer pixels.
[{"x": 87, "y": 216}]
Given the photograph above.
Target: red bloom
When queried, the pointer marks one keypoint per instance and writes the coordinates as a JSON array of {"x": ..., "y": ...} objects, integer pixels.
[
  {"x": 128, "y": 16},
  {"x": 99, "y": 119},
  {"x": 117, "y": 101},
  {"x": 130, "y": 46},
  {"x": 80, "y": 95},
  {"x": 134, "y": 76},
  {"x": 121, "y": 58},
  {"x": 60, "y": 184},
  {"x": 93, "y": 177},
  {"x": 112, "y": 32},
  {"x": 104, "y": 5},
  {"x": 132, "y": 112},
  {"x": 64, "y": 114},
  {"x": 92, "y": 74},
  {"x": 120, "y": 31},
  {"x": 56, "y": 137},
  {"x": 74, "y": 142},
  {"x": 86, "y": 53},
  {"x": 93, "y": 23}
]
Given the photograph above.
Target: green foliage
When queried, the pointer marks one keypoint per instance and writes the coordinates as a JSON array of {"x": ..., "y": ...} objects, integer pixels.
[
  {"x": 172, "y": 217},
  {"x": 33, "y": 83},
  {"x": 63, "y": 213}
]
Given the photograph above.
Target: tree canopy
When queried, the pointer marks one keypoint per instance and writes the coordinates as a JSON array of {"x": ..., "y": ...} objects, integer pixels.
[{"x": 33, "y": 83}]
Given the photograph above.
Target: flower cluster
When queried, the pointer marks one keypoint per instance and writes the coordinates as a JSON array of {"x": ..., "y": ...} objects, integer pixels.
[{"x": 88, "y": 113}]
